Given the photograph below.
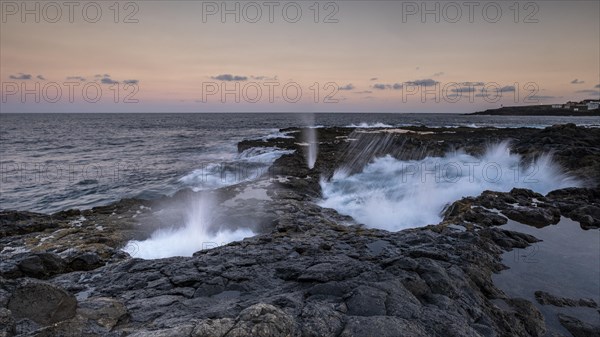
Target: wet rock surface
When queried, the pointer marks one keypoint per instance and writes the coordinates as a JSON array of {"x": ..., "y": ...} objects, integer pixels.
[
  {"x": 546, "y": 298},
  {"x": 310, "y": 271}
]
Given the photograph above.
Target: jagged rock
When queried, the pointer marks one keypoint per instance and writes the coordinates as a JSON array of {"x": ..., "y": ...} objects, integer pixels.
[
  {"x": 366, "y": 301},
  {"x": 381, "y": 326},
  {"x": 41, "y": 265},
  {"x": 588, "y": 216},
  {"x": 529, "y": 315},
  {"x": 107, "y": 312},
  {"x": 545, "y": 298},
  {"x": 85, "y": 261},
  {"x": 213, "y": 327},
  {"x": 180, "y": 331},
  {"x": 7, "y": 323},
  {"x": 310, "y": 271},
  {"x": 577, "y": 327},
  {"x": 538, "y": 217},
  {"x": 321, "y": 320},
  {"x": 42, "y": 302},
  {"x": 263, "y": 320},
  {"x": 19, "y": 223}
]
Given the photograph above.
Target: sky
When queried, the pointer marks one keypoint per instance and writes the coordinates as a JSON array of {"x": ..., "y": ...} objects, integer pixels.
[{"x": 296, "y": 56}]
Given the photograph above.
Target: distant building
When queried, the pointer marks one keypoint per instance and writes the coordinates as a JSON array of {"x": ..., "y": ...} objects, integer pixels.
[
  {"x": 588, "y": 104},
  {"x": 593, "y": 105}
]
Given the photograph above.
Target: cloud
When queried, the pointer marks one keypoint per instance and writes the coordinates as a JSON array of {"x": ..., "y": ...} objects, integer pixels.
[
  {"x": 577, "y": 81},
  {"x": 261, "y": 78},
  {"x": 472, "y": 84},
  {"x": 347, "y": 87},
  {"x": 463, "y": 90},
  {"x": 508, "y": 88},
  {"x": 130, "y": 82},
  {"x": 380, "y": 86},
  {"x": 229, "y": 77},
  {"x": 541, "y": 97},
  {"x": 441, "y": 73},
  {"x": 374, "y": 79},
  {"x": 482, "y": 93},
  {"x": 76, "y": 78},
  {"x": 494, "y": 91},
  {"x": 40, "y": 77},
  {"x": 592, "y": 92},
  {"x": 20, "y": 76},
  {"x": 424, "y": 83},
  {"x": 108, "y": 80}
]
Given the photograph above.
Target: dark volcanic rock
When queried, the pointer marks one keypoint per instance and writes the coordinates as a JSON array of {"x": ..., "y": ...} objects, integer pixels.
[
  {"x": 19, "y": 223},
  {"x": 577, "y": 327},
  {"x": 43, "y": 303},
  {"x": 545, "y": 298},
  {"x": 527, "y": 207},
  {"x": 537, "y": 217},
  {"x": 310, "y": 271}
]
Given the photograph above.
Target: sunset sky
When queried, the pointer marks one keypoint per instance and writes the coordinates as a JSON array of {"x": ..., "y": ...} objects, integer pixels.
[{"x": 179, "y": 52}]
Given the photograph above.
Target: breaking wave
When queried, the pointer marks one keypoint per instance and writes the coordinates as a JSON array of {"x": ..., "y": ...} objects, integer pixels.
[
  {"x": 369, "y": 126},
  {"x": 249, "y": 165},
  {"x": 394, "y": 194},
  {"x": 198, "y": 233}
]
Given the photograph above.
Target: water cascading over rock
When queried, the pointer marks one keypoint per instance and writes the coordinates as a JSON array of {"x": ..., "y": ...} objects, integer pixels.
[{"x": 383, "y": 185}]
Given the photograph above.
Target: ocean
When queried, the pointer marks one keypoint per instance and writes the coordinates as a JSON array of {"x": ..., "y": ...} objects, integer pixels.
[{"x": 54, "y": 162}]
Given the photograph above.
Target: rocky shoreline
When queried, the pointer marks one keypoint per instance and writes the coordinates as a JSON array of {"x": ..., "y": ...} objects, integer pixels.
[
  {"x": 537, "y": 110},
  {"x": 310, "y": 271}
]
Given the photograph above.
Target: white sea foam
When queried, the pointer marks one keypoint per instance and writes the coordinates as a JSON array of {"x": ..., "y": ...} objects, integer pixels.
[
  {"x": 369, "y": 126},
  {"x": 394, "y": 195},
  {"x": 277, "y": 134},
  {"x": 249, "y": 165},
  {"x": 197, "y": 234}
]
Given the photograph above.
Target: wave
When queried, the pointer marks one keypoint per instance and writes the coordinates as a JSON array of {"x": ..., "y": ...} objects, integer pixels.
[
  {"x": 369, "y": 126},
  {"x": 249, "y": 165},
  {"x": 277, "y": 134},
  {"x": 393, "y": 194}
]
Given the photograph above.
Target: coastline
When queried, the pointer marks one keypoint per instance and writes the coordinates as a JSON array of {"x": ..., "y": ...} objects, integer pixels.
[
  {"x": 534, "y": 110},
  {"x": 309, "y": 270}
]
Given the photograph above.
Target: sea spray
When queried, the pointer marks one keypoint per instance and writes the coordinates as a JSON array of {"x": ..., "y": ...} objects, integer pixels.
[
  {"x": 198, "y": 233},
  {"x": 309, "y": 137},
  {"x": 396, "y": 194}
]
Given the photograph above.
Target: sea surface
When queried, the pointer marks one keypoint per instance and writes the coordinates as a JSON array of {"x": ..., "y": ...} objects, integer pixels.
[{"x": 53, "y": 162}]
